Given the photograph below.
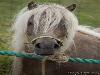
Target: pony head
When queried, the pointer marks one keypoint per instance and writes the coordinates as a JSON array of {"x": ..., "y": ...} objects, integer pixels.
[{"x": 45, "y": 29}]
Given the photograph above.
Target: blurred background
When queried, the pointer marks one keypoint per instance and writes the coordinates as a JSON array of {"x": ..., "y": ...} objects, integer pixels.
[{"x": 88, "y": 13}]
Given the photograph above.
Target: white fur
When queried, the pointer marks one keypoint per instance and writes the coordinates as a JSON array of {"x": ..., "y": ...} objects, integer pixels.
[{"x": 88, "y": 31}]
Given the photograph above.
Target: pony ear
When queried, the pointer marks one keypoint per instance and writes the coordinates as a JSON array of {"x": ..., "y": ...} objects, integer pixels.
[
  {"x": 71, "y": 7},
  {"x": 31, "y": 5}
]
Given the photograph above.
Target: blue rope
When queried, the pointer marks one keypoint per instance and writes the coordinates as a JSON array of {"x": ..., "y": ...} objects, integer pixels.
[
  {"x": 85, "y": 61},
  {"x": 22, "y": 55},
  {"x": 40, "y": 58}
]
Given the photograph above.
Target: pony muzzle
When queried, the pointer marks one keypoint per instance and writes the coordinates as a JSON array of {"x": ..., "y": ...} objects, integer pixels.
[{"x": 46, "y": 46}]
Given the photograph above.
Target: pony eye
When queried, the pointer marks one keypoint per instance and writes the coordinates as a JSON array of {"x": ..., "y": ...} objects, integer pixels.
[
  {"x": 29, "y": 23},
  {"x": 66, "y": 36}
]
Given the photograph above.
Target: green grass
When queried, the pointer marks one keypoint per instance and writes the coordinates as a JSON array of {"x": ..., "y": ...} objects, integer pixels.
[{"x": 88, "y": 13}]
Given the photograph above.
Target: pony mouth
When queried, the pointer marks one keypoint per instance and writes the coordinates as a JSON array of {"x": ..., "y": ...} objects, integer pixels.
[
  {"x": 52, "y": 57},
  {"x": 46, "y": 54},
  {"x": 58, "y": 58}
]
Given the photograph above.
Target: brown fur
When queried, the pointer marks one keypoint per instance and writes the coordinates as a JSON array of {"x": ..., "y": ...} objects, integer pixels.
[{"x": 86, "y": 47}]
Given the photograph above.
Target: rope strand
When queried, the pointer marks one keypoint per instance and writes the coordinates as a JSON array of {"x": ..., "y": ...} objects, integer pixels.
[{"x": 40, "y": 58}]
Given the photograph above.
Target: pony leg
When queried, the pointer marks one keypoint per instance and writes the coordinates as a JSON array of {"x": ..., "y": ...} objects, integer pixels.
[{"x": 17, "y": 66}]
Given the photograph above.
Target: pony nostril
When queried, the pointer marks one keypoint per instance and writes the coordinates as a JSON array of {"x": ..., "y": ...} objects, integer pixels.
[
  {"x": 38, "y": 45},
  {"x": 56, "y": 46}
]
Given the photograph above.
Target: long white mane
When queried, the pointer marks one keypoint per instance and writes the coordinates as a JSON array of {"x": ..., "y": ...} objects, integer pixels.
[{"x": 88, "y": 30}]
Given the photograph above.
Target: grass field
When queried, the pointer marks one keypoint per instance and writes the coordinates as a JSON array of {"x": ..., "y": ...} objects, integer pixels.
[{"x": 88, "y": 13}]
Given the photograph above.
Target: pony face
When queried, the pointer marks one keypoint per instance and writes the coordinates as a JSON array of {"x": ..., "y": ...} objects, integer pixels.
[
  {"x": 46, "y": 42},
  {"x": 48, "y": 28}
]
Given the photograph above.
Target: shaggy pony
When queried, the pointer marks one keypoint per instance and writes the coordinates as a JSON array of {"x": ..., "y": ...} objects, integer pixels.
[{"x": 46, "y": 20}]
